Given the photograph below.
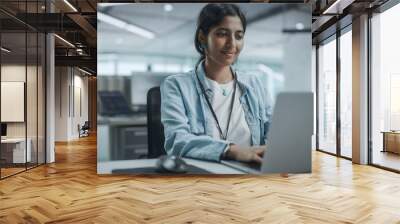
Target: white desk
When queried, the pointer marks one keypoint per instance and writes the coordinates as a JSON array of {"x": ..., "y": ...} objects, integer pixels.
[
  {"x": 18, "y": 150},
  {"x": 213, "y": 167},
  {"x": 110, "y": 132}
]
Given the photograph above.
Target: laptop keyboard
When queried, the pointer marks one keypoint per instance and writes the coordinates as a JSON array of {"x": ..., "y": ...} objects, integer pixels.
[
  {"x": 246, "y": 167},
  {"x": 255, "y": 166}
]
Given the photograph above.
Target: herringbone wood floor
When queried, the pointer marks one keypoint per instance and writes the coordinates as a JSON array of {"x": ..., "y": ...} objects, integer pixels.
[{"x": 70, "y": 191}]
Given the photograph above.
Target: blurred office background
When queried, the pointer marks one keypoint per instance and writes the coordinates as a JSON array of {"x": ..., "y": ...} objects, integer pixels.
[{"x": 141, "y": 44}]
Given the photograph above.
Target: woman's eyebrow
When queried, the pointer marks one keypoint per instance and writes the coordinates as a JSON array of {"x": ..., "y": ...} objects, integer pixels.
[
  {"x": 223, "y": 29},
  {"x": 227, "y": 29}
]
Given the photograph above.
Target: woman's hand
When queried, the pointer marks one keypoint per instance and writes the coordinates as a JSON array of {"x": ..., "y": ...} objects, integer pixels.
[{"x": 246, "y": 154}]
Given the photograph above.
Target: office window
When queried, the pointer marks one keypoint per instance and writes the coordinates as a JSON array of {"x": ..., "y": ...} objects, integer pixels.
[
  {"x": 106, "y": 68},
  {"x": 23, "y": 87},
  {"x": 346, "y": 94},
  {"x": 385, "y": 85},
  {"x": 127, "y": 68},
  {"x": 327, "y": 96}
]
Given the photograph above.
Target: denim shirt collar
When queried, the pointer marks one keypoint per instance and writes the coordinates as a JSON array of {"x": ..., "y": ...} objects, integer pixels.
[
  {"x": 245, "y": 87},
  {"x": 199, "y": 71}
]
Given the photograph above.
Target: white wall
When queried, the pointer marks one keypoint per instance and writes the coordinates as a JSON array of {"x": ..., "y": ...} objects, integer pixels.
[
  {"x": 80, "y": 100},
  {"x": 71, "y": 87},
  {"x": 61, "y": 103},
  {"x": 14, "y": 73},
  {"x": 33, "y": 105},
  {"x": 17, "y": 73}
]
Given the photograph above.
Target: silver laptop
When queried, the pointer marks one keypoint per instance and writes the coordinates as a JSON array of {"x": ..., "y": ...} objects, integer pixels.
[{"x": 289, "y": 137}]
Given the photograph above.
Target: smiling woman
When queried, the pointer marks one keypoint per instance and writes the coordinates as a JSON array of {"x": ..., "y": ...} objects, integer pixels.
[{"x": 214, "y": 112}]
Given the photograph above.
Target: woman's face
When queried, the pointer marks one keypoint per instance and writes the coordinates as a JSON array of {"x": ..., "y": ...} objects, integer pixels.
[{"x": 225, "y": 41}]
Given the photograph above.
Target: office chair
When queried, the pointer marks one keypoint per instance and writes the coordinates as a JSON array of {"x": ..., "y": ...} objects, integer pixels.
[
  {"x": 155, "y": 129},
  {"x": 84, "y": 130}
]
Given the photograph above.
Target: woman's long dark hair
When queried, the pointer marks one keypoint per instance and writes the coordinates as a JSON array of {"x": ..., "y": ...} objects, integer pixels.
[{"x": 211, "y": 15}]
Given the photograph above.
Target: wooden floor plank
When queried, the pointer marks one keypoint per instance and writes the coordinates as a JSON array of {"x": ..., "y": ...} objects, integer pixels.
[{"x": 70, "y": 191}]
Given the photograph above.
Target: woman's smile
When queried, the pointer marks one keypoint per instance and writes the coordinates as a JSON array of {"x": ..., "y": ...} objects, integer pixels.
[{"x": 228, "y": 54}]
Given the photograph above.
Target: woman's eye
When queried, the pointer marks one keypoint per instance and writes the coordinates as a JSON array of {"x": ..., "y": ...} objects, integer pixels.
[
  {"x": 239, "y": 36},
  {"x": 221, "y": 34}
]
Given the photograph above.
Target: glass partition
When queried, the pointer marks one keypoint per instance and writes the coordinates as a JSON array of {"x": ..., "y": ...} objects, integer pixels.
[
  {"x": 31, "y": 98},
  {"x": 327, "y": 96},
  {"x": 385, "y": 89},
  {"x": 346, "y": 94},
  {"x": 33, "y": 61},
  {"x": 13, "y": 107},
  {"x": 22, "y": 77}
]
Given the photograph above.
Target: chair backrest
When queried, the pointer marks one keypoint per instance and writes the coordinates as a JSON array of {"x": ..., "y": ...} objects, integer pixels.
[
  {"x": 86, "y": 125},
  {"x": 155, "y": 129}
]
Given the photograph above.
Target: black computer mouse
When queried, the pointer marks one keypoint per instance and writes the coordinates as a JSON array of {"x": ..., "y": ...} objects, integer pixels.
[{"x": 171, "y": 164}]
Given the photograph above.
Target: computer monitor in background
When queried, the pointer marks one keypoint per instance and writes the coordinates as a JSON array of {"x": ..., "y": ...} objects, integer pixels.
[
  {"x": 141, "y": 84},
  {"x": 113, "y": 103},
  {"x": 3, "y": 129}
]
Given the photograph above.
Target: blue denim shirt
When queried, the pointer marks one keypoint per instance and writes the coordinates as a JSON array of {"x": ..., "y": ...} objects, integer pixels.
[{"x": 188, "y": 121}]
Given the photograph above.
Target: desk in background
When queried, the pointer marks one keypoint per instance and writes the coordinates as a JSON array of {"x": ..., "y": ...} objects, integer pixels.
[
  {"x": 13, "y": 150},
  {"x": 212, "y": 167},
  {"x": 391, "y": 141},
  {"x": 122, "y": 137}
]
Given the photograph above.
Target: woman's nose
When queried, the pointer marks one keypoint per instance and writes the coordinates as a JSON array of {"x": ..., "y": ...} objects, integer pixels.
[{"x": 231, "y": 43}]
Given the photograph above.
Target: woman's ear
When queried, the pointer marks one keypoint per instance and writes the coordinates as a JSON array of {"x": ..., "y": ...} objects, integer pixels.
[{"x": 202, "y": 39}]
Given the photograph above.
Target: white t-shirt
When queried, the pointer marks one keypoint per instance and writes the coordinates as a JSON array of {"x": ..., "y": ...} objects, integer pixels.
[{"x": 239, "y": 132}]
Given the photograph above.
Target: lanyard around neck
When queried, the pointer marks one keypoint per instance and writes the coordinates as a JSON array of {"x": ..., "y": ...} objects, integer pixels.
[{"x": 224, "y": 137}]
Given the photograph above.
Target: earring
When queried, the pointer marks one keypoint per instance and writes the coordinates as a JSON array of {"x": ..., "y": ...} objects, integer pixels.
[{"x": 203, "y": 46}]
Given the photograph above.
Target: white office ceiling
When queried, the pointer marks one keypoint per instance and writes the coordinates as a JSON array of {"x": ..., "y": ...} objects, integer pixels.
[{"x": 264, "y": 39}]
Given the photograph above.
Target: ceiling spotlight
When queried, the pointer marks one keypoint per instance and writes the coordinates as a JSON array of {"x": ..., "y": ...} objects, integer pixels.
[
  {"x": 337, "y": 7},
  {"x": 84, "y": 71},
  {"x": 5, "y": 50},
  {"x": 168, "y": 7},
  {"x": 65, "y": 41},
  {"x": 70, "y": 5},
  {"x": 299, "y": 26},
  {"x": 124, "y": 25}
]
